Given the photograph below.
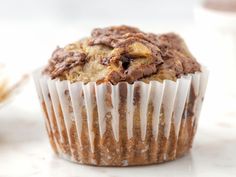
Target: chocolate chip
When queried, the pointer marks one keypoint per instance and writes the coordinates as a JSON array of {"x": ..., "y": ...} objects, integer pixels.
[{"x": 125, "y": 62}]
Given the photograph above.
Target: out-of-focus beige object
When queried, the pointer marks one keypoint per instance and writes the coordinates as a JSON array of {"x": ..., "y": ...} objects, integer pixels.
[
  {"x": 9, "y": 85},
  {"x": 221, "y": 5}
]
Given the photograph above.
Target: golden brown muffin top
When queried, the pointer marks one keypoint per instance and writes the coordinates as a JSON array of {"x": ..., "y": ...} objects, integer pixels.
[{"x": 122, "y": 53}]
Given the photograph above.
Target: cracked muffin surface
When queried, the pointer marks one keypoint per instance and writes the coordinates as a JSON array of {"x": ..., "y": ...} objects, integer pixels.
[{"x": 122, "y": 54}]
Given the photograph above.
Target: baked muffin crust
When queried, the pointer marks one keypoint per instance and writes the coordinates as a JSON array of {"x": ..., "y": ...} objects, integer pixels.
[{"x": 122, "y": 53}]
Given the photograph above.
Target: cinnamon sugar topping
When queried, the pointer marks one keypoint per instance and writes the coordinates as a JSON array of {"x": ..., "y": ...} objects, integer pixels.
[{"x": 122, "y": 53}]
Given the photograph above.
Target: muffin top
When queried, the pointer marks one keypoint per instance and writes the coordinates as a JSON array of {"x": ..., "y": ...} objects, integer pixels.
[{"x": 122, "y": 54}]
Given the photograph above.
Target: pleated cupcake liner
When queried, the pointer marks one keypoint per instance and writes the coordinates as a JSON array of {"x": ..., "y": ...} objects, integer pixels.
[{"x": 123, "y": 124}]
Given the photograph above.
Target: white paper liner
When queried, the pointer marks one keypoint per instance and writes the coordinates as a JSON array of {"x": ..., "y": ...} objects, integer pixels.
[{"x": 73, "y": 97}]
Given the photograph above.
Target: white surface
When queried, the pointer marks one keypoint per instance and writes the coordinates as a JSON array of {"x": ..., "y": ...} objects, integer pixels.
[{"x": 25, "y": 150}]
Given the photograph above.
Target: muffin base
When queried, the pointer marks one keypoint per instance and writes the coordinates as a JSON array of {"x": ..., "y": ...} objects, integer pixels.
[
  {"x": 183, "y": 149},
  {"x": 117, "y": 127},
  {"x": 126, "y": 152}
]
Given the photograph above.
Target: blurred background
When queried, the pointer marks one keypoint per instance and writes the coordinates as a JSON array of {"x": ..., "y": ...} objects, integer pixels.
[
  {"x": 31, "y": 29},
  {"x": 78, "y": 11}
]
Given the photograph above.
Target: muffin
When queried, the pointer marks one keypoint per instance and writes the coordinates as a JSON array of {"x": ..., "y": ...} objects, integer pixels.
[{"x": 122, "y": 97}]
